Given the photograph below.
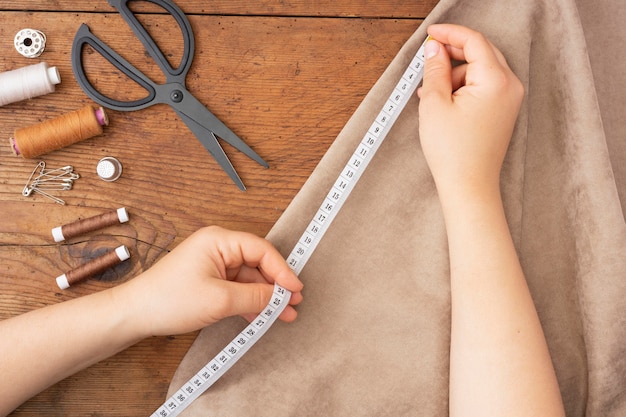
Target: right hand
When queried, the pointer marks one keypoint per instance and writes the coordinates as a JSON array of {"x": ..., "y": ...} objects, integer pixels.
[{"x": 466, "y": 113}]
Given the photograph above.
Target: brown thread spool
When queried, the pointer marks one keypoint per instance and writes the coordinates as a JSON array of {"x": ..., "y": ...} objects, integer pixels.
[
  {"x": 89, "y": 224},
  {"x": 96, "y": 266},
  {"x": 85, "y": 123}
]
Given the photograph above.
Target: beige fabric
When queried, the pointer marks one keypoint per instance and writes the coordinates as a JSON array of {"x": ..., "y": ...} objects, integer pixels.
[{"x": 372, "y": 337}]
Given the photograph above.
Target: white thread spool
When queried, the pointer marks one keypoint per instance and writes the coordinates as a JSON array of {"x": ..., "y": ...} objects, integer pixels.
[
  {"x": 27, "y": 82},
  {"x": 30, "y": 43}
]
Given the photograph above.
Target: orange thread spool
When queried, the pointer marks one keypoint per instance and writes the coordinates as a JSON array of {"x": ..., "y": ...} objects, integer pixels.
[
  {"x": 96, "y": 266},
  {"x": 85, "y": 123}
]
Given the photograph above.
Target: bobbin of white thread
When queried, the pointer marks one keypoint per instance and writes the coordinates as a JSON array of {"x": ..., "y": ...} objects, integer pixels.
[
  {"x": 30, "y": 43},
  {"x": 28, "y": 82}
]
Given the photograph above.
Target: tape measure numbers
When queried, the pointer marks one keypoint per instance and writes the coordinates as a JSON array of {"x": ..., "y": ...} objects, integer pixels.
[{"x": 307, "y": 243}]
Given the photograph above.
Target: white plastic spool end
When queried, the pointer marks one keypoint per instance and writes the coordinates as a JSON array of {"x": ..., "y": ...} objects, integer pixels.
[
  {"x": 62, "y": 282},
  {"x": 57, "y": 234},
  {"x": 53, "y": 75},
  {"x": 122, "y": 214},
  {"x": 122, "y": 253}
]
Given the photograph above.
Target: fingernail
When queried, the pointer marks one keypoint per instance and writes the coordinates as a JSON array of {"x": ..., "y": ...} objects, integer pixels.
[{"x": 431, "y": 49}]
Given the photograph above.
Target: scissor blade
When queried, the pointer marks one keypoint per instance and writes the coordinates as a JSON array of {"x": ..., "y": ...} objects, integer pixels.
[
  {"x": 208, "y": 139},
  {"x": 196, "y": 111}
]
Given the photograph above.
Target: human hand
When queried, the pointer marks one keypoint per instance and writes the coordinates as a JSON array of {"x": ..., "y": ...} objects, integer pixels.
[
  {"x": 466, "y": 113},
  {"x": 213, "y": 274}
]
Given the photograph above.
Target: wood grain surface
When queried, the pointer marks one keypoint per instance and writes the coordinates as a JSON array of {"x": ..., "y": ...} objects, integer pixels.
[{"x": 284, "y": 75}]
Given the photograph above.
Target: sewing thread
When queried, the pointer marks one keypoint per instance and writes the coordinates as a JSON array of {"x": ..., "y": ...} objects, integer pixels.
[
  {"x": 93, "y": 267},
  {"x": 30, "y": 43},
  {"x": 89, "y": 224},
  {"x": 57, "y": 133},
  {"x": 27, "y": 82}
]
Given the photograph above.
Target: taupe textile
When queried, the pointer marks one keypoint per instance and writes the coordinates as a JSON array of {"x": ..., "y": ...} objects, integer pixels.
[{"x": 372, "y": 338}]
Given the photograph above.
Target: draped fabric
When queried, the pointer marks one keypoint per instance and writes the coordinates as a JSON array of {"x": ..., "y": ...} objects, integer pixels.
[{"x": 373, "y": 334}]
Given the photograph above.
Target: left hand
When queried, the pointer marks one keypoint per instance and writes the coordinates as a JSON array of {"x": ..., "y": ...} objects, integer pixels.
[{"x": 213, "y": 274}]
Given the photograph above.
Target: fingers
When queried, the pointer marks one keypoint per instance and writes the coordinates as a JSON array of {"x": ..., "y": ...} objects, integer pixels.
[
  {"x": 484, "y": 61},
  {"x": 458, "y": 76},
  {"x": 437, "y": 72},
  {"x": 243, "y": 252},
  {"x": 254, "y": 276},
  {"x": 249, "y": 299},
  {"x": 484, "y": 66},
  {"x": 252, "y": 264},
  {"x": 466, "y": 44}
]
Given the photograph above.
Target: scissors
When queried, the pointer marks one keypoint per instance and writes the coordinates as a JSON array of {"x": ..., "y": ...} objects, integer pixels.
[{"x": 204, "y": 124}]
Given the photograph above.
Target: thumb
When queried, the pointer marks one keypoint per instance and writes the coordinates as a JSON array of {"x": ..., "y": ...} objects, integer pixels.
[
  {"x": 437, "y": 71},
  {"x": 249, "y": 299}
]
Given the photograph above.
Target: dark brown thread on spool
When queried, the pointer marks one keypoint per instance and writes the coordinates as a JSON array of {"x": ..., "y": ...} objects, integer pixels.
[
  {"x": 90, "y": 224},
  {"x": 39, "y": 139},
  {"x": 94, "y": 267}
]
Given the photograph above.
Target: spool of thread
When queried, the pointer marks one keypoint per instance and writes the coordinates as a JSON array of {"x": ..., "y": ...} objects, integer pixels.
[
  {"x": 27, "y": 82},
  {"x": 85, "y": 123},
  {"x": 89, "y": 224},
  {"x": 94, "y": 267},
  {"x": 30, "y": 43}
]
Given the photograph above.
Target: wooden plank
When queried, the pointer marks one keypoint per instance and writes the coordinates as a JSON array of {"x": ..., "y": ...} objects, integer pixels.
[
  {"x": 285, "y": 80},
  {"x": 287, "y": 85},
  {"x": 359, "y": 8}
]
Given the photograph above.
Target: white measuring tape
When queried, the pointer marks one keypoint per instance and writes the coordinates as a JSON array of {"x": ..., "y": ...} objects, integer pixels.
[{"x": 309, "y": 240}]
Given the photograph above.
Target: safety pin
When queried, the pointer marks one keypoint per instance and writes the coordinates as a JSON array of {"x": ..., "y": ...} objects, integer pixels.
[
  {"x": 53, "y": 186},
  {"x": 60, "y": 179},
  {"x": 26, "y": 192},
  {"x": 51, "y": 197},
  {"x": 67, "y": 168},
  {"x": 66, "y": 172}
]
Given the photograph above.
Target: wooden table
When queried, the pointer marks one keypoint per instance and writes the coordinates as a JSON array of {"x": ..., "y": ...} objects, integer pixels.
[{"x": 285, "y": 76}]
